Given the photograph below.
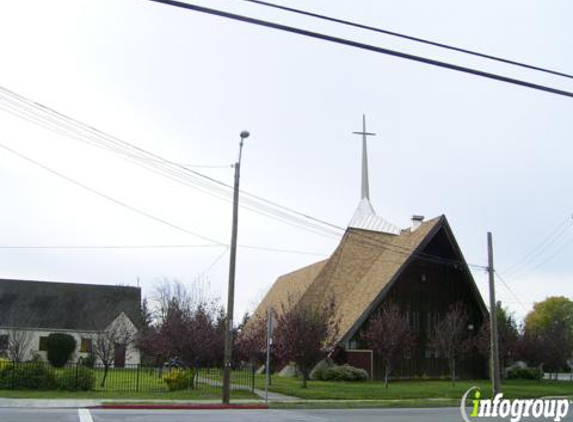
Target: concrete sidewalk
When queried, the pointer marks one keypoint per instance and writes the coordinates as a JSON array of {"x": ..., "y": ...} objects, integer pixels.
[{"x": 87, "y": 403}]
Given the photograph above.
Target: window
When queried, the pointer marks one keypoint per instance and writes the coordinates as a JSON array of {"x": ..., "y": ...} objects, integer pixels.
[
  {"x": 43, "y": 346},
  {"x": 86, "y": 345},
  {"x": 3, "y": 342}
]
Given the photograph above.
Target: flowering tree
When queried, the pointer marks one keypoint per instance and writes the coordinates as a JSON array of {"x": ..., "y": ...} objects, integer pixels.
[
  {"x": 252, "y": 340},
  {"x": 186, "y": 325},
  {"x": 449, "y": 337},
  {"x": 302, "y": 334},
  {"x": 390, "y": 336}
]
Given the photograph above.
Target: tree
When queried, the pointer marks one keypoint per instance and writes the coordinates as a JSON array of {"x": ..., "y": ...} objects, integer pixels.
[
  {"x": 550, "y": 323},
  {"x": 390, "y": 336},
  {"x": 186, "y": 324},
  {"x": 252, "y": 340},
  {"x": 60, "y": 348},
  {"x": 105, "y": 342},
  {"x": 508, "y": 337},
  {"x": 18, "y": 344},
  {"x": 302, "y": 334},
  {"x": 449, "y": 337}
]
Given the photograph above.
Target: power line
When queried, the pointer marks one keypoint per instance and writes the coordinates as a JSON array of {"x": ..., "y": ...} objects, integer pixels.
[
  {"x": 61, "y": 124},
  {"x": 542, "y": 247},
  {"x": 362, "y": 46},
  {"x": 510, "y": 290},
  {"x": 109, "y": 198},
  {"x": 91, "y": 247},
  {"x": 408, "y": 37}
]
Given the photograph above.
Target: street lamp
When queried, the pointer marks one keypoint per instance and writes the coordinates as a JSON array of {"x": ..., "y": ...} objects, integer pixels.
[{"x": 227, "y": 358}]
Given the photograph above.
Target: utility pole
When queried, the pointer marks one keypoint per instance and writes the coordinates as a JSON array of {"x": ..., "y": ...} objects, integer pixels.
[
  {"x": 269, "y": 343},
  {"x": 494, "y": 354},
  {"x": 228, "y": 354}
]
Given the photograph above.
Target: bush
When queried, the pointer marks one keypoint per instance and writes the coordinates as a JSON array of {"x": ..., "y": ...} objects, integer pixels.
[
  {"x": 30, "y": 375},
  {"x": 344, "y": 373},
  {"x": 317, "y": 372},
  {"x": 89, "y": 361},
  {"x": 79, "y": 378},
  {"x": 179, "y": 379},
  {"x": 516, "y": 372},
  {"x": 60, "y": 348},
  {"x": 4, "y": 363}
]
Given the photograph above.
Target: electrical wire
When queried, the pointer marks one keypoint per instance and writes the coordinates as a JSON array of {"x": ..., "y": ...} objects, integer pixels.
[
  {"x": 362, "y": 46},
  {"x": 89, "y": 247},
  {"x": 408, "y": 37},
  {"x": 61, "y": 124},
  {"x": 541, "y": 248},
  {"x": 109, "y": 198}
]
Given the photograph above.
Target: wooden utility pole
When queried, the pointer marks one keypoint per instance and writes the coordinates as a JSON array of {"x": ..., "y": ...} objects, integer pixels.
[
  {"x": 269, "y": 343},
  {"x": 228, "y": 353},
  {"x": 494, "y": 353}
]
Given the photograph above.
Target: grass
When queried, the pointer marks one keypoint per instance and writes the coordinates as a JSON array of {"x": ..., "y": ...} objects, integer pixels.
[
  {"x": 145, "y": 383},
  {"x": 412, "y": 390},
  {"x": 213, "y": 393},
  {"x": 365, "y": 404}
]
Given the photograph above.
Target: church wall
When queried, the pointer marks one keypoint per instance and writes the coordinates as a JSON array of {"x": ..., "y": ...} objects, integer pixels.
[{"x": 425, "y": 291}]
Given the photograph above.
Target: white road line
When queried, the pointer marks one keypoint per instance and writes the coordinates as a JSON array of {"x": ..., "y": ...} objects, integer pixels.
[{"x": 85, "y": 415}]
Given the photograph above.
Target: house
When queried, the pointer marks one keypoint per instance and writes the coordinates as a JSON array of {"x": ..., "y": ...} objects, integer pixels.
[
  {"x": 31, "y": 310},
  {"x": 421, "y": 269}
]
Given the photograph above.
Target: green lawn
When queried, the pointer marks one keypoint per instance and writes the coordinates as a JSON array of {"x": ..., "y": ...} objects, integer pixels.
[
  {"x": 410, "y": 390},
  {"x": 145, "y": 383},
  {"x": 213, "y": 393}
]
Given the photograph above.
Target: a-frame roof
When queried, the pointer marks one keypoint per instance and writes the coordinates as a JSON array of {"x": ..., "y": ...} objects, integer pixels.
[{"x": 357, "y": 275}]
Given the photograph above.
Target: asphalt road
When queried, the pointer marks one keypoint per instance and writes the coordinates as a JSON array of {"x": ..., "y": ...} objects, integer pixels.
[{"x": 339, "y": 415}]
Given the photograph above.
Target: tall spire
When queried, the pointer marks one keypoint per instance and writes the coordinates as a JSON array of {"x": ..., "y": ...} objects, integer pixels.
[
  {"x": 365, "y": 217},
  {"x": 365, "y": 181}
]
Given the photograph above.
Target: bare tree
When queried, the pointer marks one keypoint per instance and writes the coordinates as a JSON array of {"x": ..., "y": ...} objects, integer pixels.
[
  {"x": 18, "y": 344},
  {"x": 390, "y": 336},
  {"x": 449, "y": 337},
  {"x": 105, "y": 342},
  {"x": 302, "y": 334}
]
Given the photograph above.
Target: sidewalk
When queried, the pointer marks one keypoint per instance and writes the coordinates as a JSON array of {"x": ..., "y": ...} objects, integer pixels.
[{"x": 86, "y": 403}]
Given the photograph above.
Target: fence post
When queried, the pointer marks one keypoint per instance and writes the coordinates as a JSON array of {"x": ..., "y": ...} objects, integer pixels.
[{"x": 137, "y": 377}]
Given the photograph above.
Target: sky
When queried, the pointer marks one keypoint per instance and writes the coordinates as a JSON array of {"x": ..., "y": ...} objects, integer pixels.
[{"x": 489, "y": 155}]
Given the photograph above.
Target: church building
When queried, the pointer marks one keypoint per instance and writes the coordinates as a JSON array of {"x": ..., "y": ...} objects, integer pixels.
[{"x": 420, "y": 268}]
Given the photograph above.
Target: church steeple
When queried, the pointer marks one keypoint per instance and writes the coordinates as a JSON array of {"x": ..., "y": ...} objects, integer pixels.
[
  {"x": 365, "y": 182},
  {"x": 365, "y": 217}
]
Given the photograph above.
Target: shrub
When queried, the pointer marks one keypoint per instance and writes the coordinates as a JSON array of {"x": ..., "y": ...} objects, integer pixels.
[
  {"x": 89, "y": 361},
  {"x": 179, "y": 379},
  {"x": 516, "y": 372},
  {"x": 344, "y": 373},
  {"x": 4, "y": 363},
  {"x": 29, "y": 375},
  {"x": 60, "y": 348},
  {"x": 79, "y": 378},
  {"x": 318, "y": 371}
]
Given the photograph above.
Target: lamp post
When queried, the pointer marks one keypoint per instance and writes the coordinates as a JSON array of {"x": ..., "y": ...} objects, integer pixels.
[{"x": 227, "y": 358}]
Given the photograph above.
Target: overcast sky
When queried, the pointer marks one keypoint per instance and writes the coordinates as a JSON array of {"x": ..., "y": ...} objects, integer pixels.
[{"x": 489, "y": 155}]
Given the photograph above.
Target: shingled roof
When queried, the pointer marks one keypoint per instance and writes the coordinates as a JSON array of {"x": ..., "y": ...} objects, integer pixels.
[
  {"x": 66, "y": 306},
  {"x": 357, "y": 275}
]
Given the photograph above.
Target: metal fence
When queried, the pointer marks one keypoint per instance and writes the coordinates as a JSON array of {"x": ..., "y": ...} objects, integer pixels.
[{"x": 131, "y": 378}]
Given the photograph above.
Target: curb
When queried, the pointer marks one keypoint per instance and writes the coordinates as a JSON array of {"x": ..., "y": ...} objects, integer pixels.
[{"x": 183, "y": 406}]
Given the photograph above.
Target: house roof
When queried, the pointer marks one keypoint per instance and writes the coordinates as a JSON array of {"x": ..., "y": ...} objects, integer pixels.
[
  {"x": 357, "y": 275},
  {"x": 69, "y": 306}
]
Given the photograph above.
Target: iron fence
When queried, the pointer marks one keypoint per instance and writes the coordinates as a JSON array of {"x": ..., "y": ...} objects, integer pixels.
[{"x": 131, "y": 378}]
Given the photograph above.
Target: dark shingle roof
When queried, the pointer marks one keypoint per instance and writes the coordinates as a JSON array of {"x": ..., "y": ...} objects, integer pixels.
[{"x": 40, "y": 304}]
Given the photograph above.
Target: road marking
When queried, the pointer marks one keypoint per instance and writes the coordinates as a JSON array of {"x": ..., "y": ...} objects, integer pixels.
[{"x": 85, "y": 415}]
